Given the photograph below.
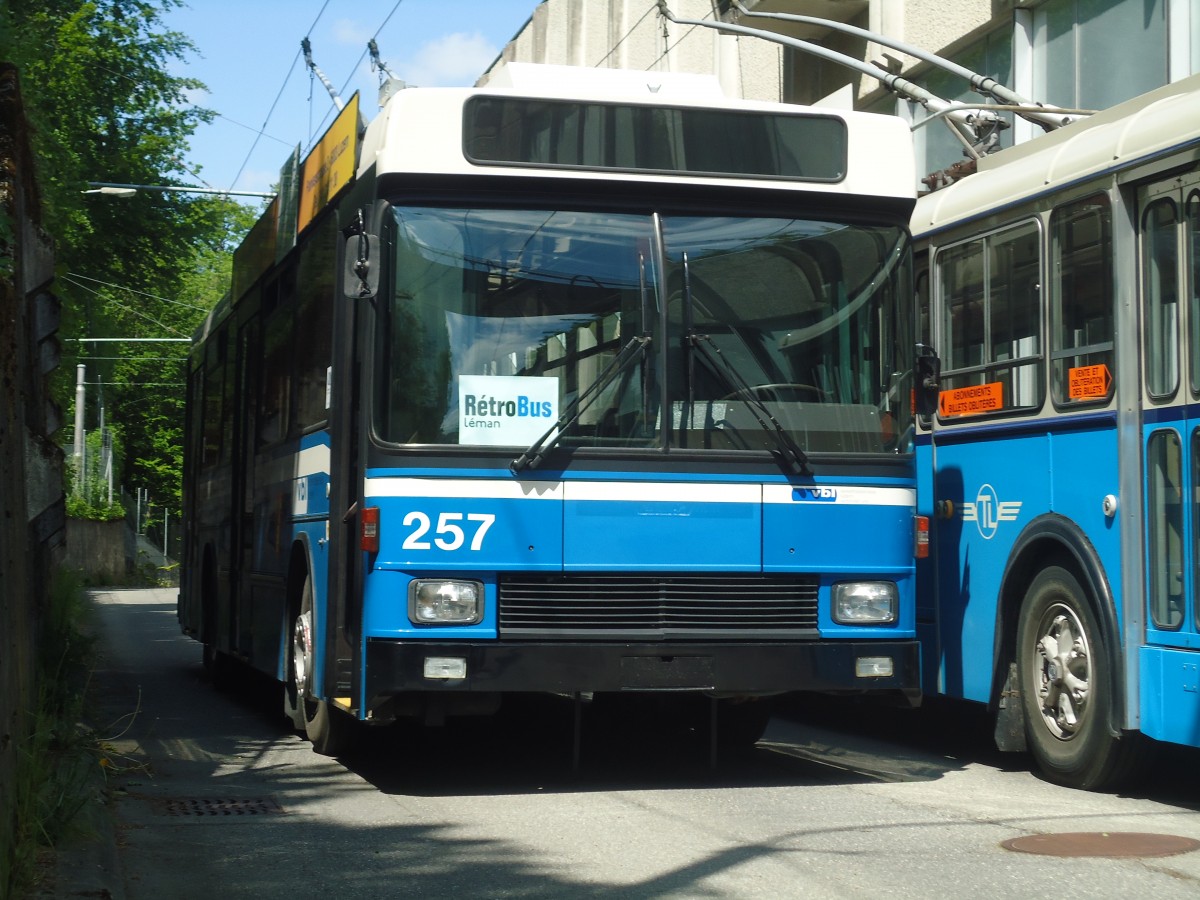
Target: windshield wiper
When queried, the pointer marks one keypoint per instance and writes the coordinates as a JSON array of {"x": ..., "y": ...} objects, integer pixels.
[
  {"x": 788, "y": 450},
  {"x": 631, "y": 352}
]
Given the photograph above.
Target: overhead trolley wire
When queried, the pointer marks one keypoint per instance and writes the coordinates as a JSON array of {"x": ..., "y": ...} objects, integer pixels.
[
  {"x": 275, "y": 102},
  {"x": 353, "y": 69},
  {"x": 71, "y": 276},
  {"x": 678, "y": 41},
  {"x": 120, "y": 305},
  {"x": 626, "y": 35}
]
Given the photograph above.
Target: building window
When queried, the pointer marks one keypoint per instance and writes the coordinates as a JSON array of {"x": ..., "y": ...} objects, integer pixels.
[
  {"x": 1095, "y": 54},
  {"x": 937, "y": 148}
]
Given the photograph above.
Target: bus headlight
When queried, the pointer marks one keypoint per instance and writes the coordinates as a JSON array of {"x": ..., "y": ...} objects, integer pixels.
[
  {"x": 442, "y": 602},
  {"x": 865, "y": 602}
]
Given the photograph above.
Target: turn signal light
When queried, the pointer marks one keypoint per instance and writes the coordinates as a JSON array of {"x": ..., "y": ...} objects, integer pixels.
[
  {"x": 369, "y": 540},
  {"x": 921, "y": 537}
]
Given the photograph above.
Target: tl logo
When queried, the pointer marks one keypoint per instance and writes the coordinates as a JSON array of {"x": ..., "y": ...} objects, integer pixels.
[{"x": 988, "y": 511}]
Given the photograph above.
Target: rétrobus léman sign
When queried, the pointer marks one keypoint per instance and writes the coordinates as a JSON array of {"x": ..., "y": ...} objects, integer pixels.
[{"x": 505, "y": 410}]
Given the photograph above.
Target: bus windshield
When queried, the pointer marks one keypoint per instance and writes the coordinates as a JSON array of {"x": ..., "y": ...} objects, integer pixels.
[{"x": 497, "y": 321}]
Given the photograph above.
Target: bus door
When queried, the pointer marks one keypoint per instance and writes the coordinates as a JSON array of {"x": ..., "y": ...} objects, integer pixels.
[{"x": 1169, "y": 261}]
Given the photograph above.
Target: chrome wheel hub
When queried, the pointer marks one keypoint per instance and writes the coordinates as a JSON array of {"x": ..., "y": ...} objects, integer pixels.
[
  {"x": 1061, "y": 671},
  {"x": 302, "y": 653}
]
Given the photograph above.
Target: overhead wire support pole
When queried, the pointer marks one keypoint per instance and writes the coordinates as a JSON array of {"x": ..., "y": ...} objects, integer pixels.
[
  {"x": 1048, "y": 117},
  {"x": 968, "y": 127},
  {"x": 306, "y": 46},
  {"x": 131, "y": 340},
  {"x": 118, "y": 189}
]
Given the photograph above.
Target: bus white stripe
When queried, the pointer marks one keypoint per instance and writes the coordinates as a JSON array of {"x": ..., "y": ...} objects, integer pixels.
[
  {"x": 844, "y": 495},
  {"x": 631, "y": 491},
  {"x": 313, "y": 461},
  {"x": 482, "y": 489}
]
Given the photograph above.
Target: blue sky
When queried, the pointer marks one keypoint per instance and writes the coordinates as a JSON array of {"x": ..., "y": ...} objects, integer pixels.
[{"x": 248, "y": 54}]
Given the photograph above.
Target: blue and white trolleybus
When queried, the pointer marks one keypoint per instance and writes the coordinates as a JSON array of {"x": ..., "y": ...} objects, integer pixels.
[
  {"x": 1060, "y": 285},
  {"x": 584, "y": 382}
]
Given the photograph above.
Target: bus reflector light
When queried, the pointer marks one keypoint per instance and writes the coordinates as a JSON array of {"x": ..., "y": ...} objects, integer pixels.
[
  {"x": 921, "y": 537},
  {"x": 443, "y": 602},
  {"x": 370, "y": 529},
  {"x": 865, "y": 602},
  {"x": 445, "y": 668},
  {"x": 874, "y": 667}
]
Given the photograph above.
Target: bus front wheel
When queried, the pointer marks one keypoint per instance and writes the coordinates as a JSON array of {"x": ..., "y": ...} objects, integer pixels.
[
  {"x": 1066, "y": 687},
  {"x": 331, "y": 730}
]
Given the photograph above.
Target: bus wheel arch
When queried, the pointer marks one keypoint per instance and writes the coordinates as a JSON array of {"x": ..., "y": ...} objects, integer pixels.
[
  {"x": 299, "y": 568},
  {"x": 331, "y": 731},
  {"x": 1058, "y": 633}
]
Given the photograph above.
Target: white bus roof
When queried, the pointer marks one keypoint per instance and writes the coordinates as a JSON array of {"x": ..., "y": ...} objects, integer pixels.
[
  {"x": 420, "y": 130},
  {"x": 1116, "y": 138}
]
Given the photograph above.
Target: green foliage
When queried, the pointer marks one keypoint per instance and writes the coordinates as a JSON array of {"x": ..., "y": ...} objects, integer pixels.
[
  {"x": 104, "y": 106},
  {"x": 6, "y": 239},
  {"x": 87, "y": 491},
  {"x": 60, "y": 762}
]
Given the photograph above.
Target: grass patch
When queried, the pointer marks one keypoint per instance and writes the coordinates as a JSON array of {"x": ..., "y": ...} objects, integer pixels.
[{"x": 59, "y": 759}]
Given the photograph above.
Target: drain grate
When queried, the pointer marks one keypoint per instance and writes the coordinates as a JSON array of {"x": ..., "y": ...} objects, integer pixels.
[
  {"x": 1112, "y": 844},
  {"x": 221, "y": 806}
]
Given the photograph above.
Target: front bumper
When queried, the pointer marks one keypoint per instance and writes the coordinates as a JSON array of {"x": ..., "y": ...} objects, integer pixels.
[{"x": 395, "y": 667}]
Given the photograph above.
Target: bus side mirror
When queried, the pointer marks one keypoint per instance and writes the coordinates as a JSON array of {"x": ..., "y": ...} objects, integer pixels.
[
  {"x": 360, "y": 276},
  {"x": 928, "y": 374}
]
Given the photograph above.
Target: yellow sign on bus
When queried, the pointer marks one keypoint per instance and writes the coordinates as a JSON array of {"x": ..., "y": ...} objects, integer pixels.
[
  {"x": 1088, "y": 382},
  {"x": 330, "y": 165},
  {"x": 971, "y": 401}
]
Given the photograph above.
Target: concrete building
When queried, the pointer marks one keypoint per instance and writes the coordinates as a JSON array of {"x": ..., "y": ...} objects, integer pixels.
[{"x": 1078, "y": 54}]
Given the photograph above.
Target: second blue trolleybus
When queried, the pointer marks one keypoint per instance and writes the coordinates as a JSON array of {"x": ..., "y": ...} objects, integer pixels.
[{"x": 1061, "y": 287}]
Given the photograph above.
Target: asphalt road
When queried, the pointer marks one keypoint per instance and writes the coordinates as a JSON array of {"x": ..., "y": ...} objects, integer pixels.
[{"x": 215, "y": 796}]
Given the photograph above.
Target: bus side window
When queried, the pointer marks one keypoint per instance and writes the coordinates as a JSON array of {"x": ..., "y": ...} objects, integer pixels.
[
  {"x": 276, "y": 378},
  {"x": 1193, "y": 269},
  {"x": 316, "y": 284},
  {"x": 1161, "y": 300},
  {"x": 215, "y": 370},
  {"x": 990, "y": 309},
  {"x": 1081, "y": 318},
  {"x": 1164, "y": 521}
]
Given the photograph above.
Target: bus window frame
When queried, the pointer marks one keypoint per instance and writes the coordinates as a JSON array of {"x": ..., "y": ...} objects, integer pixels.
[
  {"x": 214, "y": 372},
  {"x": 1191, "y": 274},
  {"x": 1156, "y": 513},
  {"x": 944, "y": 339},
  {"x": 1056, "y": 297},
  {"x": 1151, "y": 339}
]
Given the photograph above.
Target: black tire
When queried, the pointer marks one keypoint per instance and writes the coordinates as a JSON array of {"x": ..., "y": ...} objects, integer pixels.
[
  {"x": 221, "y": 668},
  {"x": 332, "y": 731},
  {"x": 741, "y": 723},
  {"x": 1065, "y": 667}
]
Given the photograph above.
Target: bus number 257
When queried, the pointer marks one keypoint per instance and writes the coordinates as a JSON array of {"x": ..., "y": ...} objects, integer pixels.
[{"x": 449, "y": 535}]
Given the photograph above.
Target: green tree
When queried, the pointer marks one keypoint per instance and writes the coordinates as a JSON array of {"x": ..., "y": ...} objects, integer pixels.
[{"x": 105, "y": 107}]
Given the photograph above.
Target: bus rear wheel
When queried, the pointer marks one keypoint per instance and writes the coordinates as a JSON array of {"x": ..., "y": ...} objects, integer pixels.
[
  {"x": 1065, "y": 671},
  {"x": 332, "y": 731}
]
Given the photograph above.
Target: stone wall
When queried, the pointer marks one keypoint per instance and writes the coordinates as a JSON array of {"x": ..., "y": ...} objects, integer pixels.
[
  {"x": 31, "y": 501},
  {"x": 99, "y": 551}
]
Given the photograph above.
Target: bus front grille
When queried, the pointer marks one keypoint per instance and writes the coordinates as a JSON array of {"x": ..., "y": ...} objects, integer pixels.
[{"x": 658, "y": 607}]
